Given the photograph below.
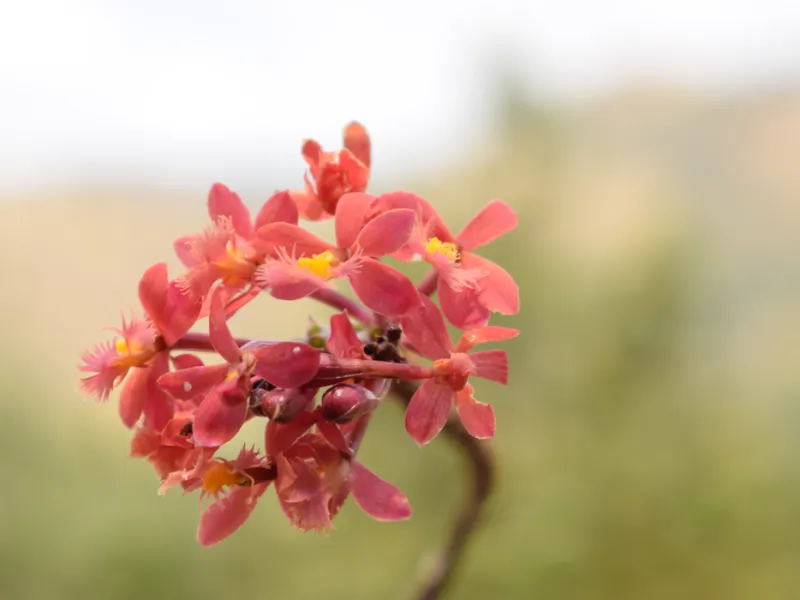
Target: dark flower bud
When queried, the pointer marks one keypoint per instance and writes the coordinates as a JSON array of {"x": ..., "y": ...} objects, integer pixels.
[
  {"x": 346, "y": 401},
  {"x": 281, "y": 405}
]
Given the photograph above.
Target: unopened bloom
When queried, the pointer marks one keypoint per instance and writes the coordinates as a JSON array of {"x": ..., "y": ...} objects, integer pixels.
[
  {"x": 306, "y": 263},
  {"x": 333, "y": 174},
  {"x": 429, "y": 408},
  {"x": 225, "y": 388}
]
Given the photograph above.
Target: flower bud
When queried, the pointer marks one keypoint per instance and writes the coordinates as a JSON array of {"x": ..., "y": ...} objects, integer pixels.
[
  {"x": 281, "y": 405},
  {"x": 346, "y": 401}
]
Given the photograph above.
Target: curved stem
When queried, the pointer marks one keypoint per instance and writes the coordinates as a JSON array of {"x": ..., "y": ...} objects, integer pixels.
[{"x": 482, "y": 469}]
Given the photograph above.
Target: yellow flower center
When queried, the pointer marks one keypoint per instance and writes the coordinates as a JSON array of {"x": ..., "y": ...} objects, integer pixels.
[
  {"x": 218, "y": 475},
  {"x": 319, "y": 264},
  {"x": 234, "y": 265},
  {"x": 437, "y": 246}
]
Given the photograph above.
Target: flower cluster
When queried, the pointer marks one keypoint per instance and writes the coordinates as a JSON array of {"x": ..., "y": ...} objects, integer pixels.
[{"x": 184, "y": 409}]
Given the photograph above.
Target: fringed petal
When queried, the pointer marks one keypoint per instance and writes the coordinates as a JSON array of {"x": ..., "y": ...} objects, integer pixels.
[{"x": 291, "y": 239}]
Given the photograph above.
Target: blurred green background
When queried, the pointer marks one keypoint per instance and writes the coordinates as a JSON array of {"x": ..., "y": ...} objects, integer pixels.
[{"x": 647, "y": 444}]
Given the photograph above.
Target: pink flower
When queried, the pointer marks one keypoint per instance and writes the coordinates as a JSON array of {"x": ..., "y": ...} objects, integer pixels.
[
  {"x": 142, "y": 351},
  {"x": 429, "y": 408},
  {"x": 224, "y": 250},
  {"x": 316, "y": 472},
  {"x": 235, "y": 493},
  {"x": 306, "y": 263},
  {"x": 333, "y": 174},
  {"x": 225, "y": 388},
  {"x": 470, "y": 287}
]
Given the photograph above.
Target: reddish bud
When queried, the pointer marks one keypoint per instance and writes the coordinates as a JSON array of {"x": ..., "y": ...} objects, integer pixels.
[
  {"x": 282, "y": 405},
  {"x": 344, "y": 402}
]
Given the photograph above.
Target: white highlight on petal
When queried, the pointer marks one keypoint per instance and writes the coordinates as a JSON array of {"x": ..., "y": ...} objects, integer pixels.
[
  {"x": 296, "y": 350},
  {"x": 187, "y": 387}
]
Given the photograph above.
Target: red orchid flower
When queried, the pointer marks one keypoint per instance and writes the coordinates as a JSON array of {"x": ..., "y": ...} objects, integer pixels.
[
  {"x": 317, "y": 472},
  {"x": 332, "y": 174},
  {"x": 429, "y": 408},
  {"x": 470, "y": 287},
  {"x": 306, "y": 263},
  {"x": 141, "y": 352},
  {"x": 224, "y": 251}
]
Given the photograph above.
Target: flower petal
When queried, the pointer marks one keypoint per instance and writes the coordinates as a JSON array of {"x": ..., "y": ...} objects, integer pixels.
[
  {"x": 217, "y": 420},
  {"x": 462, "y": 308},
  {"x": 376, "y": 497},
  {"x": 159, "y": 407},
  {"x": 493, "y": 220},
  {"x": 180, "y": 312},
  {"x": 491, "y": 365},
  {"x": 286, "y": 281},
  {"x": 424, "y": 327},
  {"x": 386, "y": 233},
  {"x": 498, "y": 290},
  {"x": 356, "y": 139},
  {"x": 227, "y": 514},
  {"x": 350, "y": 213},
  {"x": 427, "y": 412},
  {"x": 302, "y": 497},
  {"x": 343, "y": 340},
  {"x": 279, "y": 208},
  {"x": 220, "y": 334},
  {"x": 482, "y": 335},
  {"x": 384, "y": 289},
  {"x": 222, "y": 202},
  {"x": 153, "y": 287},
  {"x": 308, "y": 205},
  {"x": 292, "y": 239},
  {"x": 280, "y": 436},
  {"x": 186, "y": 361},
  {"x": 186, "y": 384},
  {"x": 477, "y": 418},
  {"x": 286, "y": 364},
  {"x": 133, "y": 395}
]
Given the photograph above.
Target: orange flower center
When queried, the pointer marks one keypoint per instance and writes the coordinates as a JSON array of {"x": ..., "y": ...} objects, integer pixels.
[{"x": 219, "y": 475}]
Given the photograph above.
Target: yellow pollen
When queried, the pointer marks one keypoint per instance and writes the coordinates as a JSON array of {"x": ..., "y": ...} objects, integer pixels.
[
  {"x": 219, "y": 475},
  {"x": 123, "y": 349},
  {"x": 448, "y": 249},
  {"x": 319, "y": 264}
]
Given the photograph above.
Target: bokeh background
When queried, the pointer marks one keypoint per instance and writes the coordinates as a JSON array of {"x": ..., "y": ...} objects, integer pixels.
[{"x": 648, "y": 442}]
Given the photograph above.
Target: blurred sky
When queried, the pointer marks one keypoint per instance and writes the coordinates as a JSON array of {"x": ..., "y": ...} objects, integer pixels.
[{"x": 170, "y": 93}]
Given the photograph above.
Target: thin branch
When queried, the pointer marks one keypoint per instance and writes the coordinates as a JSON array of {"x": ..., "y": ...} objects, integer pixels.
[
  {"x": 339, "y": 301},
  {"x": 482, "y": 467}
]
